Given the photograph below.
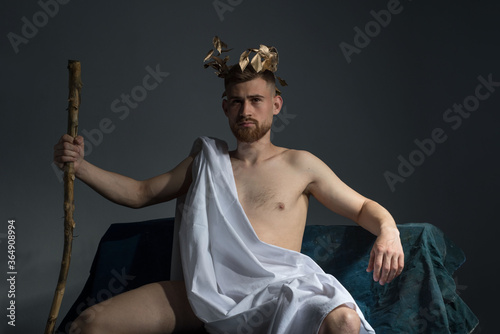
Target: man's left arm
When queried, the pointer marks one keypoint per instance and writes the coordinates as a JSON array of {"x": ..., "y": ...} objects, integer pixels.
[{"x": 386, "y": 257}]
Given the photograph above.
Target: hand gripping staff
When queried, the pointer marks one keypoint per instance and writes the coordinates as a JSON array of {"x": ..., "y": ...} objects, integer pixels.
[{"x": 75, "y": 86}]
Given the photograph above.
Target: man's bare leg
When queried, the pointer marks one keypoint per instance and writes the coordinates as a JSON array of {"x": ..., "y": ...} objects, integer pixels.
[
  {"x": 154, "y": 308},
  {"x": 342, "y": 320}
]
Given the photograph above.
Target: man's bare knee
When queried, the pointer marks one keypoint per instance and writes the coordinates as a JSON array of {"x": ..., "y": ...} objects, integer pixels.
[
  {"x": 160, "y": 307},
  {"x": 343, "y": 320},
  {"x": 86, "y": 323}
]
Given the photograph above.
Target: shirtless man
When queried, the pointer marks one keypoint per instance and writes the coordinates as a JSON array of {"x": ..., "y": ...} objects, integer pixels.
[{"x": 273, "y": 184}]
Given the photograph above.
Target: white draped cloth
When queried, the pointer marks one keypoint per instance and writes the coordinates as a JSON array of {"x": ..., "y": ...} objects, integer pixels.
[{"x": 235, "y": 282}]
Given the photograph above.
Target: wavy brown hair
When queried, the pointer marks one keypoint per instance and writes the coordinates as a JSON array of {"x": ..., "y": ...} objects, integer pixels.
[{"x": 236, "y": 76}]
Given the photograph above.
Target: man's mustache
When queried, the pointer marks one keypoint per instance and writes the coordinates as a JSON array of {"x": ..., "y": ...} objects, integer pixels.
[{"x": 246, "y": 120}]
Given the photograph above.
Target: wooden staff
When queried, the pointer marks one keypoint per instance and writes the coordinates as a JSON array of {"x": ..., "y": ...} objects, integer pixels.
[{"x": 75, "y": 86}]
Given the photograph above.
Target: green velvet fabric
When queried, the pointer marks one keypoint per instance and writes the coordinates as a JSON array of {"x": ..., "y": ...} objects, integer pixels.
[{"x": 423, "y": 299}]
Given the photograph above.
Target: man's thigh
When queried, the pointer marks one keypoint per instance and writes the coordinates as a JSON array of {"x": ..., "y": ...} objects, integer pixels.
[{"x": 154, "y": 308}]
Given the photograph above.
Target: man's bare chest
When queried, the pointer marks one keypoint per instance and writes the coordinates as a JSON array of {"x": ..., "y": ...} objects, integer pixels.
[
  {"x": 268, "y": 189},
  {"x": 275, "y": 202}
]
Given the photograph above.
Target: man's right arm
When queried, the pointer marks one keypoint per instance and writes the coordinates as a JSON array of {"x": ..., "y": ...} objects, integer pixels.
[{"x": 119, "y": 188}]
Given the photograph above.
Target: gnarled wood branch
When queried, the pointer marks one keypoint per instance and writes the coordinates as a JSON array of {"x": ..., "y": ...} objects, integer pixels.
[{"x": 75, "y": 86}]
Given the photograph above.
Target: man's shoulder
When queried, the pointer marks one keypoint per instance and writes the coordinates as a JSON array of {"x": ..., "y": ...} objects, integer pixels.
[
  {"x": 299, "y": 157},
  {"x": 305, "y": 164}
]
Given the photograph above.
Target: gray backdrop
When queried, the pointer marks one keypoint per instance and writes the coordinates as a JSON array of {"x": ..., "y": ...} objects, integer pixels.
[{"x": 377, "y": 98}]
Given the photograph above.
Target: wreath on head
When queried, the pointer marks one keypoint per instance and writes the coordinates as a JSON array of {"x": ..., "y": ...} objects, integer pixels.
[{"x": 265, "y": 59}]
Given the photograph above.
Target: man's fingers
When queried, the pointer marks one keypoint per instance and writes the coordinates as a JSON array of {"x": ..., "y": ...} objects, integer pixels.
[
  {"x": 401, "y": 264},
  {"x": 370, "y": 262},
  {"x": 394, "y": 269},
  {"x": 377, "y": 268},
  {"x": 65, "y": 151},
  {"x": 78, "y": 140},
  {"x": 68, "y": 149},
  {"x": 385, "y": 270},
  {"x": 67, "y": 137},
  {"x": 61, "y": 160},
  {"x": 63, "y": 140}
]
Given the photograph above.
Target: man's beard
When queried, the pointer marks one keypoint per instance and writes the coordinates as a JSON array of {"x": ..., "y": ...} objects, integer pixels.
[{"x": 250, "y": 134}]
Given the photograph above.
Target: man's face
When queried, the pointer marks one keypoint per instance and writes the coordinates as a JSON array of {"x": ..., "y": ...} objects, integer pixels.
[{"x": 250, "y": 107}]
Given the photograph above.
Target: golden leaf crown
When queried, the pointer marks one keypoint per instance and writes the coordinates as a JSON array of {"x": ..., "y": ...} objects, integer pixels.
[{"x": 265, "y": 58}]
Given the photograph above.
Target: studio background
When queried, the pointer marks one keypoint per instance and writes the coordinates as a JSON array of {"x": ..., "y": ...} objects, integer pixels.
[{"x": 361, "y": 111}]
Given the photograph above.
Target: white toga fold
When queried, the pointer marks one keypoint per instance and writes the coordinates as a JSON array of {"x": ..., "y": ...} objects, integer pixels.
[{"x": 235, "y": 282}]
